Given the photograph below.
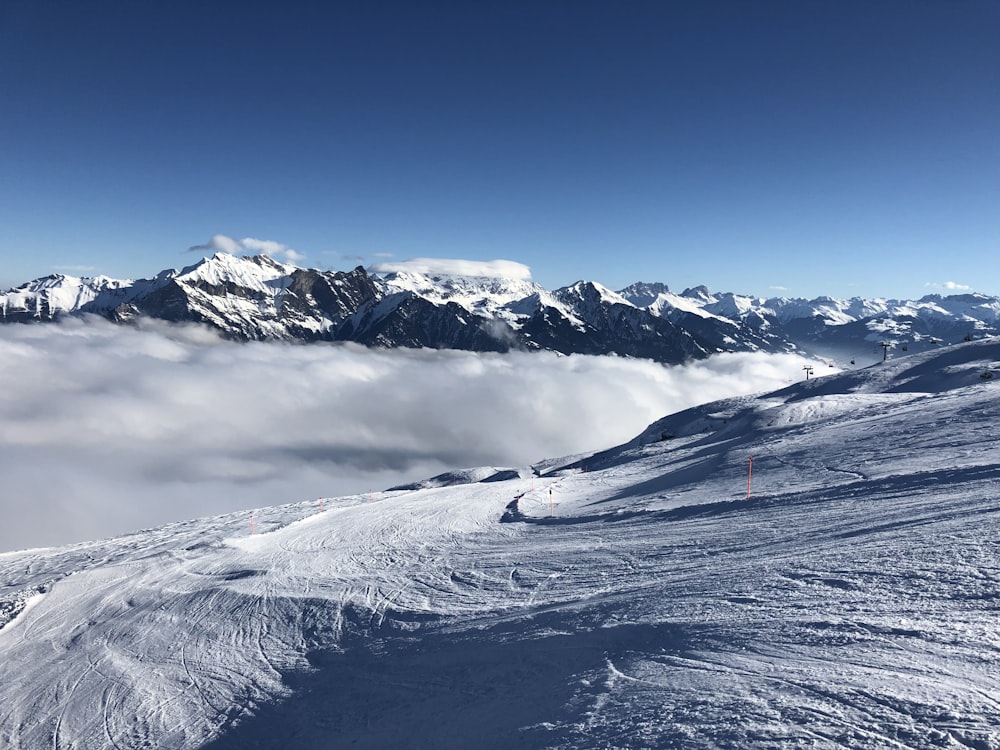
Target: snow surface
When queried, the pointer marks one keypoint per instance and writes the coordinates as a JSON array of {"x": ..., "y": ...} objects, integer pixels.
[{"x": 631, "y": 598}]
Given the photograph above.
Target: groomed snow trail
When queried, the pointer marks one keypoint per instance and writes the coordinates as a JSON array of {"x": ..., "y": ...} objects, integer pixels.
[{"x": 853, "y": 601}]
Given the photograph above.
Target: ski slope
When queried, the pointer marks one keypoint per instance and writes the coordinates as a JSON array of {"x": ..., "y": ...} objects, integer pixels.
[{"x": 632, "y": 598}]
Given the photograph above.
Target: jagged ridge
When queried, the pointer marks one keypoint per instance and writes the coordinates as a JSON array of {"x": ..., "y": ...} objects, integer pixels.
[{"x": 258, "y": 298}]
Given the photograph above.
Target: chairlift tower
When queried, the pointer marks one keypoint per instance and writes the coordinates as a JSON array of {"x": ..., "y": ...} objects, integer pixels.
[
  {"x": 885, "y": 349},
  {"x": 809, "y": 371}
]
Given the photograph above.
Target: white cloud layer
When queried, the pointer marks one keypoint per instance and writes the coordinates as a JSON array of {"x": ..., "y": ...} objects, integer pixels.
[
  {"x": 75, "y": 268},
  {"x": 951, "y": 286},
  {"x": 504, "y": 269},
  {"x": 106, "y": 429},
  {"x": 225, "y": 244}
]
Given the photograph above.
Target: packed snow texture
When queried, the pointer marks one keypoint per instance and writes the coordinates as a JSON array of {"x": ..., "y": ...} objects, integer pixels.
[
  {"x": 635, "y": 597},
  {"x": 107, "y": 429}
]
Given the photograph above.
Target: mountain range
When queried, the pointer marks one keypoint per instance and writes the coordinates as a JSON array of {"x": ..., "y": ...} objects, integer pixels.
[{"x": 258, "y": 298}]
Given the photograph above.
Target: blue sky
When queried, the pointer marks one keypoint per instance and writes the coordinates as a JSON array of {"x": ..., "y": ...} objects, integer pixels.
[{"x": 795, "y": 148}]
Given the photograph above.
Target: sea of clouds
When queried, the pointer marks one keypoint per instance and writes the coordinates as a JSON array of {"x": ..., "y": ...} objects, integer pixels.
[{"x": 107, "y": 429}]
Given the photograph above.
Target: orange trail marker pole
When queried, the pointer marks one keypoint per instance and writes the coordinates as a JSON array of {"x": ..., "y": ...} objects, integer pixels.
[
  {"x": 551, "y": 509},
  {"x": 749, "y": 476},
  {"x": 251, "y": 524}
]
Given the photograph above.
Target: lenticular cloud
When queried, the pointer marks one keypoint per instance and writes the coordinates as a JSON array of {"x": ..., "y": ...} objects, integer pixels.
[
  {"x": 504, "y": 269},
  {"x": 107, "y": 429}
]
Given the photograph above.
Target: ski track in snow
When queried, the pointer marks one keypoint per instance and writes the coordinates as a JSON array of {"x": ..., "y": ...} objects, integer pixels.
[{"x": 853, "y": 601}]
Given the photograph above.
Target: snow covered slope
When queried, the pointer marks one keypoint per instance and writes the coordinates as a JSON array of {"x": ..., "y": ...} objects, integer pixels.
[
  {"x": 632, "y": 598},
  {"x": 50, "y": 297}
]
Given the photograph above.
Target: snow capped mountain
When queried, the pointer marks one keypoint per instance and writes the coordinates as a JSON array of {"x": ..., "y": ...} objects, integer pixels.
[
  {"x": 645, "y": 294},
  {"x": 832, "y": 311},
  {"x": 254, "y": 298},
  {"x": 724, "y": 323},
  {"x": 52, "y": 296},
  {"x": 977, "y": 309},
  {"x": 733, "y": 307},
  {"x": 258, "y": 298},
  {"x": 657, "y": 594},
  {"x": 589, "y": 294},
  {"x": 477, "y": 294},
  {"x": 659, "y": 300},
  {"x": 596, "y": 320}
]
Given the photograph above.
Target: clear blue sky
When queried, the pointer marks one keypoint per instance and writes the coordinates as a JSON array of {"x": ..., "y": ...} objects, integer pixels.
[{"x": 844, "y": 148}]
